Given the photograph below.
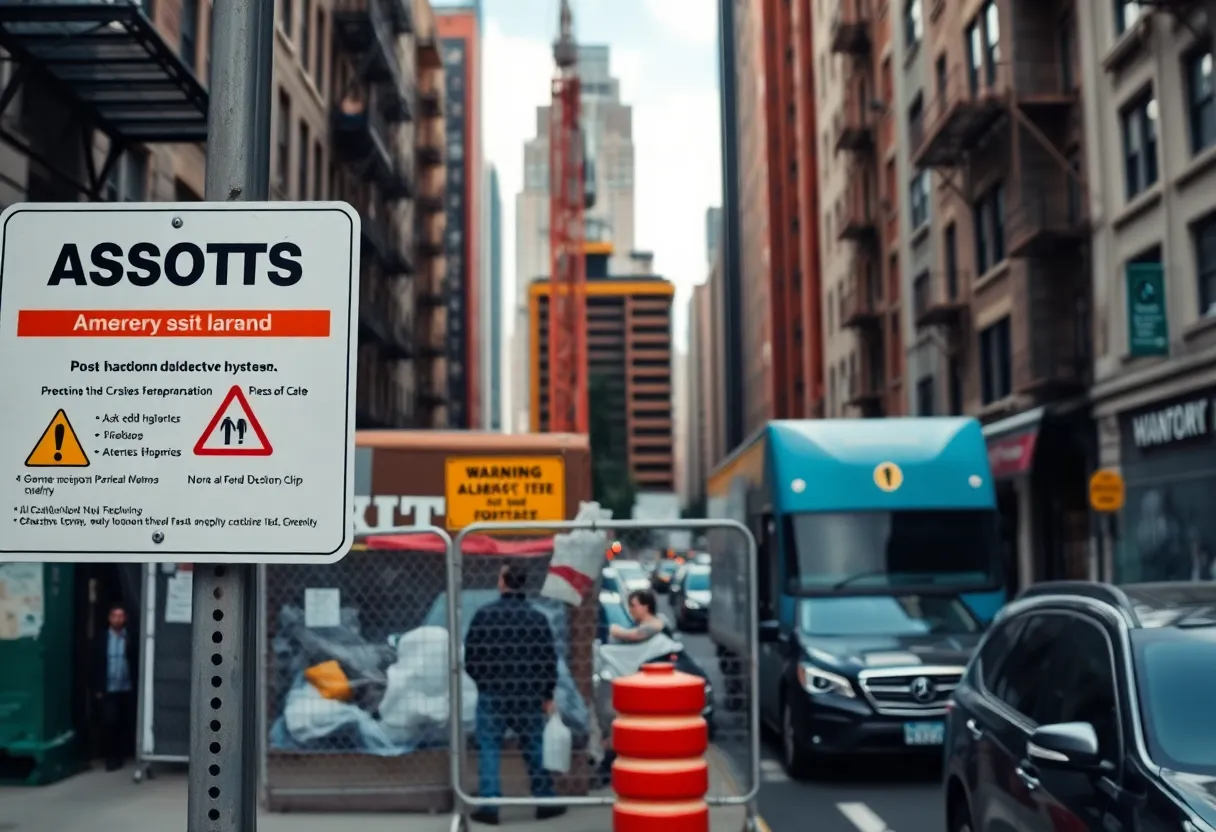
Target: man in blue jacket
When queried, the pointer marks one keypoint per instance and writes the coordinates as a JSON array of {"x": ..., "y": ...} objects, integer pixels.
[{"x": 511, "y": 655}]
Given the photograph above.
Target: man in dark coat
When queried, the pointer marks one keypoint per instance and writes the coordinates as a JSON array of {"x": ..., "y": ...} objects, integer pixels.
[
  {"x": 114, "y": 671},
  {"x": 511, "y": 655}
]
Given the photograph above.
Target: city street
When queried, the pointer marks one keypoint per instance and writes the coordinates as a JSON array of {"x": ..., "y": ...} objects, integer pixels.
[{"x": 863, "y": 797}]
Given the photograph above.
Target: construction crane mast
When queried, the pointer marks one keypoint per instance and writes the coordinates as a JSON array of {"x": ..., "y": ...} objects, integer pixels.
[{"x": 567, "y": 259}]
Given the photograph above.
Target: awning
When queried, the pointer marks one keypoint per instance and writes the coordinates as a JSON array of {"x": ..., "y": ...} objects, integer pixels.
[
  {"x": 108, "y": 59},
  {"x": 1011, "y": 443}
]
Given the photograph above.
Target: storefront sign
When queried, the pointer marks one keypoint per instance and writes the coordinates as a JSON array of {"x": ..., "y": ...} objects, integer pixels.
[
  {"x": 381, "y": 512},
  {"x": 1178, "y": 422},
  {"x": 1107, "y": 492},
  {"x": 500, "y": 489},
  {"x": 1147, "y": 324},
  {"x": 1012, "y": 455}
]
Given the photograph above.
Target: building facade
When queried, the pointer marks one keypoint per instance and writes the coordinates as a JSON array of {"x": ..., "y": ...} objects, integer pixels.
[
  {"x": 608, "y": 126},
  {"x": 343, "y": 120},
  {"x": 1008, "y": 303},
  {"x": 494, "y": 350},
  {"x": 1152, "y": 208},
  {"x": 629, "y": 345},
  {"x": 459, "y": 31},
  {"x": 778, "y": 186},
  {"x": 699, "y": 383}
]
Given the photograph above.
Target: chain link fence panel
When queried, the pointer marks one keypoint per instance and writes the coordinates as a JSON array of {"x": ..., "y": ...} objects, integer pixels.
[
  {"x": 356, "y": 688},
  {"x": 550, "y": 614}
]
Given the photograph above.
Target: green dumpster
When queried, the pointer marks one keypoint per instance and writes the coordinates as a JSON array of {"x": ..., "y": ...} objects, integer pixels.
[{"x": 38, "y": 739}]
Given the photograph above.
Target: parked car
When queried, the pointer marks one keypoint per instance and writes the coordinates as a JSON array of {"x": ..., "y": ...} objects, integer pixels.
[
  {"x": 1088, "y": 706},
  {"x": 660, "y": 579},
  {"x": 631, "y": 575},
  {"x": 690, "y": 597}
]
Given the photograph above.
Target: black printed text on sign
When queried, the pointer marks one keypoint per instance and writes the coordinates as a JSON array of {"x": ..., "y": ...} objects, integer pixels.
[
  {"x": 504, "y": 489},
  {"x": 179, "y": 381}
]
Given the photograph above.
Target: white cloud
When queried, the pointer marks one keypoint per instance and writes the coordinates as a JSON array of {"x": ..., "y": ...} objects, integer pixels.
[
  {"x": 694, "y": 21},
  {"x": 628, "y": 65}
]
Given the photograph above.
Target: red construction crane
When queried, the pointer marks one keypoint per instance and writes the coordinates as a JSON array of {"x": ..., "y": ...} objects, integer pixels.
[{"x": 567, "y": 260}]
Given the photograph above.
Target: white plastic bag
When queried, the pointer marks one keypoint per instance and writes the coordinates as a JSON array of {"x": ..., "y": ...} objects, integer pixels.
[
  {"x": 577, "y": 559},
  {"x": 557, "y": 744}
]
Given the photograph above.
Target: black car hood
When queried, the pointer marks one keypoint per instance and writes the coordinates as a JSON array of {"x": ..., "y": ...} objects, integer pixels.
[
  {"x": 1198, "y": 791},
  {"x": 867, "y": 652}
]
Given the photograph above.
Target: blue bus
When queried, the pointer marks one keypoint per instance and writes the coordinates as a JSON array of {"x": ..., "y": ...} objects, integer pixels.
[{"x": 879, "y": 567}]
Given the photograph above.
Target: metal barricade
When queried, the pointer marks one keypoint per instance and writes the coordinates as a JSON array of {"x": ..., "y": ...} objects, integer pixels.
[
  {"x": 354, "y": 701},
  {"x": 497, "y": 722}
]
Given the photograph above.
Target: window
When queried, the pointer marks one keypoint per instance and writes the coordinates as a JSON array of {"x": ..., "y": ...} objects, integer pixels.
[
  {"x": 950, "y": 257},
  {"x": 318, "y": 61},
  {"x": 128, "y": 181},
  {"x": 989, "y": 214},
  {"x": 1127, "y": 12},
  {"x": 918, "y": 199},
  {"x": 1082, "y": 684},
  {"x": 1017, "y": 679},
  {"x": 1140, "y": 145},
  {"x": 831, "y": 323},
  {"x": 1204, "y": 234},
  {"x": 996, "y": 380},
  {"x": 955, "y": 383},
  {"x": 914, "y": 23},
  {"x": 926, "y": 395},
  {"x": 916, "y": 120},
  {"x": 984, "y": 47},
  {"x": 302, "y": 161},
  {"x": 941, "y": 76},
  {"x": 306, "y": 34},
  {"x": 318, "y": 175},
  {"x": 886, "y": 615},
  {"x": 1201, "y": 100},
  {"x": 286, "y": 16},
  {"x": 1172, "y": 666},
  {"x": 189, "y": 33},
  {"x": 283, "y": 141}
]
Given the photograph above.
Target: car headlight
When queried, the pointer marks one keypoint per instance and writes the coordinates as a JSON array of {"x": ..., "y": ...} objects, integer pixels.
[
  {"x": 816, "y": 681},
  {"x": 692, "y": 605}
]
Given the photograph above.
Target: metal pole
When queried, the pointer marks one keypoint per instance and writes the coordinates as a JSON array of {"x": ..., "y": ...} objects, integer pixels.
[{"x": 224, "y": 730}]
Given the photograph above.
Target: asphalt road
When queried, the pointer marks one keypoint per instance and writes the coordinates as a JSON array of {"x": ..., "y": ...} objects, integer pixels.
[{"x": 868, "y": 796}]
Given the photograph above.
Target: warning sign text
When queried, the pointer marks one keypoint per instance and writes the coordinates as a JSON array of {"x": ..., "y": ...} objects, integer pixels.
[{"x": 504, "y": 490}]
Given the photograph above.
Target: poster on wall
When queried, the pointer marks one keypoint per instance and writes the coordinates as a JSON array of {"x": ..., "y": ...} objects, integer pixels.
[{"x": 21, "y": 601}]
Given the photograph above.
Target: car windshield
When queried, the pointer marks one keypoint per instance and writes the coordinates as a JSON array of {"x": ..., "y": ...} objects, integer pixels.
[
  {"x": 697, "y": 581},
  {"x": 914, "y": 548},
  {"x": 899, "y": 615},
  {"x": 1176, "y": 676},
  {"x": 608, "y": 582}
]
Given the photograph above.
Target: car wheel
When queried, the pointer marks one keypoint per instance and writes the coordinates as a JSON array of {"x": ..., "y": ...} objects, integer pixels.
[
  {"x": 793, "y": 754},
  {"x": 960, "y": 819}
]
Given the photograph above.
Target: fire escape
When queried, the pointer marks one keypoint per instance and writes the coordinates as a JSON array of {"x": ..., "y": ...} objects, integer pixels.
[
  {"x": 110, "y": 70},
  {"x": 431, "y": 294},
  {"x": 1011, "y": 107},
  {"x": 859, "y": 217},
  {"x": 367, "y": 126}
]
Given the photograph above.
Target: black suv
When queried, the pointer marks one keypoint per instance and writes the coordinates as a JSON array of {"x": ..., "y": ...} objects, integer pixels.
[{"x": 1089, "y": 707}]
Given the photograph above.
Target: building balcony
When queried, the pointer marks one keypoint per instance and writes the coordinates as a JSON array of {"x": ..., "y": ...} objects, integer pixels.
[
  {"x": 385, "y": 245},
  {"x": 850, "y": 33},
  {"x": 867, "y": 398},
  {"x": 965, "y": 107},
  {"x": 1046, "y": 224},
  {"x": 429, "y": 144},
  {"x": 106, "y": 60},
  {"x": 431, "y": 103},
  {"x": 362, "y": 140},
  {"x": 1046, "y": 362},
  {"x": 430, "y": 204},
  {"x": 433, "y": 384},
  {"x": 432, "y": 287},
  {"x": 369, "y": 29},
  {"x": 432, "y": 333},
  {"x": 860, "y": 309},
  {"x": 857, "y": 215},
  {"x": 854, "y": 125},
  {"x": 429, "y": 56},
  {"x": 401, "y": 16},
  {"x": 935, "y": 300},
  {"x": 384, "y": 323}
]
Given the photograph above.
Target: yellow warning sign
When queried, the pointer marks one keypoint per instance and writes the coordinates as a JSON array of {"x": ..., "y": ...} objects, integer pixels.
[
  {"x": 504, "y": 489},
  {"x": 58, "y": 447},
  {"x": 888, "y": 476},
  {"x": 1107, "y": 491}
]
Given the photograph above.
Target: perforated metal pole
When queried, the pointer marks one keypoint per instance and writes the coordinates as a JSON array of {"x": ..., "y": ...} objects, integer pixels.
[{"x": 225, "y": 737}]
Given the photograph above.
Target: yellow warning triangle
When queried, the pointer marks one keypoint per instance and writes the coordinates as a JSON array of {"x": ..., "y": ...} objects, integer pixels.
[{"x": 58, "y": 447}]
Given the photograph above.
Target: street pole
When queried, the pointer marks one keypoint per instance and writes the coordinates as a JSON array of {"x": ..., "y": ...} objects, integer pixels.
[{"x": 225, "y": 737}]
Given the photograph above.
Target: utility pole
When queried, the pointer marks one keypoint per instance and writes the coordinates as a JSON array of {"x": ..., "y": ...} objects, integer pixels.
[{"x": 225, "y": 737}]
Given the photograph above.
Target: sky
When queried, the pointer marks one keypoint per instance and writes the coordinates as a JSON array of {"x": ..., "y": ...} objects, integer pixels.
[{"x": 665, "y": 54}]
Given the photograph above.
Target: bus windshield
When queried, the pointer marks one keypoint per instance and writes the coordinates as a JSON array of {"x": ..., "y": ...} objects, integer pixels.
[{"x": 953, "y": 549}]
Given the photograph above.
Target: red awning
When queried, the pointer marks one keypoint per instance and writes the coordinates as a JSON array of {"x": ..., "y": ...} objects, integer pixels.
[{"x": 474, "y": 544}]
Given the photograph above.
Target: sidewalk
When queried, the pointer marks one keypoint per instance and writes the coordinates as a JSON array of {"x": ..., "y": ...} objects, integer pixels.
[{"x": 99, "y": 801}]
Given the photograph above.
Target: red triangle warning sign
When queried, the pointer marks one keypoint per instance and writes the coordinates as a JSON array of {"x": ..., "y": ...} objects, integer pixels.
[{"x": 233, "y": 430}]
